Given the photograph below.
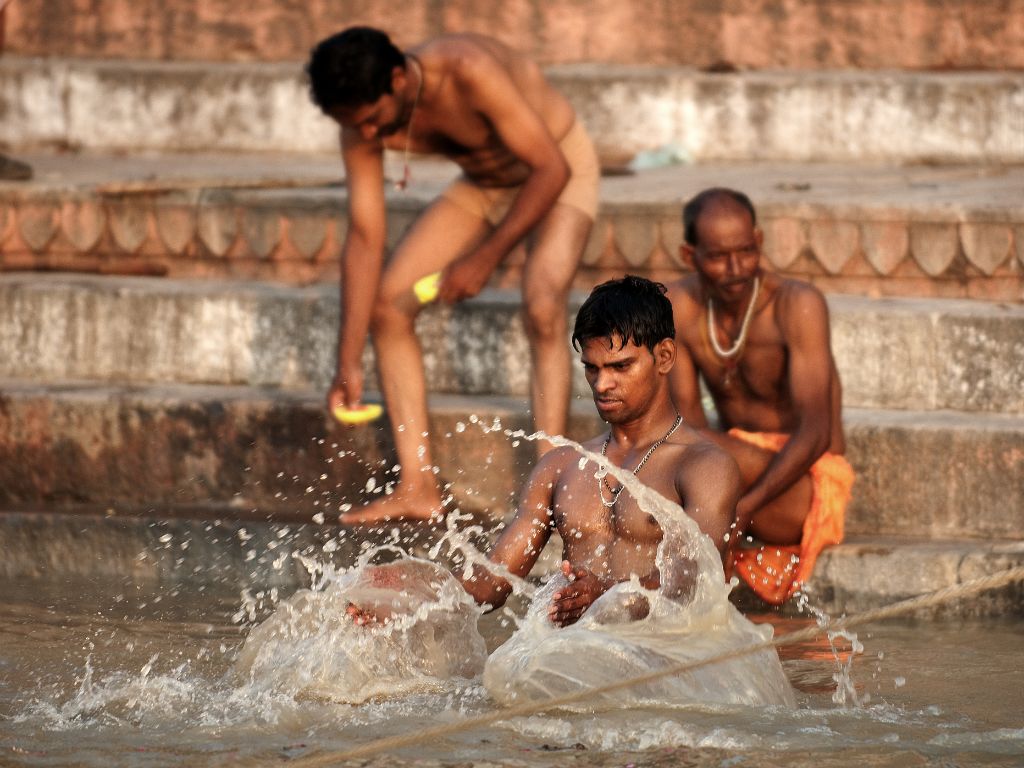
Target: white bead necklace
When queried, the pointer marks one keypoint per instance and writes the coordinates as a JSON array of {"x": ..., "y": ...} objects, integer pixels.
[{"x": 742, "y": 338}]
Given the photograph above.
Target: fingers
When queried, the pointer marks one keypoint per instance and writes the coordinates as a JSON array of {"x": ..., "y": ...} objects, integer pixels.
[
  {"x": 568, "y": 605},
  {"x": 567, "y": 611},
  {"x": 365, "y": 617}
]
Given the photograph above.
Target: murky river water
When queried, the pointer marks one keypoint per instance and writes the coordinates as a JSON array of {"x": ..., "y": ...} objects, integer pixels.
[{"x": 103, "y": 674}]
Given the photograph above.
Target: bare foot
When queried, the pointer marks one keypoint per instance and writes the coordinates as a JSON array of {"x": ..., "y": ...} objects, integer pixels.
[{"x": 400, "y": 505}]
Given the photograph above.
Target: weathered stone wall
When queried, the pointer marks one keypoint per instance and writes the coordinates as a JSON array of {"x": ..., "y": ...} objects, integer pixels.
[{"x": 792, "y": 34}]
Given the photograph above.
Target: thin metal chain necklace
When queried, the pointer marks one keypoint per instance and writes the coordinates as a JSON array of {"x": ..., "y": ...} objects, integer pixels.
[
  {"x": 603, "y": 482},
  {"x": 742, "y": 338},
  {"x": 406, "y": 173}
]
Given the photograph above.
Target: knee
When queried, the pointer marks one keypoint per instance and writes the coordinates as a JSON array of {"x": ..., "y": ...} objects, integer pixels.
[
  {"x": 390, "y": 313},
  {"x": 545, "y": 318}
]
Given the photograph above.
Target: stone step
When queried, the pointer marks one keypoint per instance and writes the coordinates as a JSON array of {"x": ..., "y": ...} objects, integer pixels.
[
  {"x": 870, "y": 572},
  {"x": 878, "y": 230},
  {"x": 911, "y": 34},
  {"x": 918, "y": 354},
  {"x": 210, "y": 548},
  {"x": 778, "y": 115},
  {"x": 260, "y": 452}
]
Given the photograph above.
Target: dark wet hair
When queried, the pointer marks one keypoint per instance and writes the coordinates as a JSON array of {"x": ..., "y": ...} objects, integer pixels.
[
  {"x": 634, "y": 308},
  {"x": 700, "y": 202},
  {"x": 352, "y": 68}
]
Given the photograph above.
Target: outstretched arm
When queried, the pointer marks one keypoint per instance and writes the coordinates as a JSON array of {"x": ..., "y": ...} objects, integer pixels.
[
  {"x": 520, "y": 544},
  {"x": 487, "y": 87},
  {"x": 517, "y": 548},
  {"x": 362, "y": 258},
  {"x": 803, "y": 319}
]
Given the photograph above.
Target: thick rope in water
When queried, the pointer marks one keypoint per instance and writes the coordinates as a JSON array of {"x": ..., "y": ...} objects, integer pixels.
[{"x": 930, "y": 600}]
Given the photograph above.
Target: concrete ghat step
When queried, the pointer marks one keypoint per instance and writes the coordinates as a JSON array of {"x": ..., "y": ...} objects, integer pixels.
[
  {"x": 920, "y": 354},
  {"x": 835, "y": 115},
  {"x": 251, "y": 451},
  {"x": 211, "y": 547},
  {"x": 866, "y": 573}
]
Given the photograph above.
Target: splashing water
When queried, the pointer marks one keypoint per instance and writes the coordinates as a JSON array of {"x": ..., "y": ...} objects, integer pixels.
[{"x": 311, "y": 647}]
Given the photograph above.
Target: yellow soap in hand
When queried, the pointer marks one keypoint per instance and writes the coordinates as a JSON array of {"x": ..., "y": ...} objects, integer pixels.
[
  {"x": 360, "y": 415},
  {"x": 426, "y": 288}
]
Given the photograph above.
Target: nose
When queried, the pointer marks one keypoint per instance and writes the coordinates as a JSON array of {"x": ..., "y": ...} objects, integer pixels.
[
  {"x": 734, "y": 263},
  {"x": 604, "y": 382}
]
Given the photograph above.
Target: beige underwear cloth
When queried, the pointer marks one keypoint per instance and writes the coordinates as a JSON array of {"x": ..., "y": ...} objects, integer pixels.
[{"x": 581, "y": 191}]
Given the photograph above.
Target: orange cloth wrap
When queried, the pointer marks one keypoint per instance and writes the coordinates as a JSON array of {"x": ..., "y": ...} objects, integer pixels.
[{"x": 776, "y": 572}]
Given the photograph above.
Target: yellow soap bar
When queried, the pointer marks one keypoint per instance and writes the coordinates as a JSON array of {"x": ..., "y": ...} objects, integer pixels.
[
  {"x": 426, "y": 288},
  {"x": 364, "y": 413}
]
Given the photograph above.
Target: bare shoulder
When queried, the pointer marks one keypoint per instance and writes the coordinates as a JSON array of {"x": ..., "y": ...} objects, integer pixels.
[
  {"x": 796, "y": 300},
  {"x": 465, "y": 56},
  {"x": 704, "y": 460},
  {"x": 560, "y": 459},
  {"x": 684, "y": 294}
]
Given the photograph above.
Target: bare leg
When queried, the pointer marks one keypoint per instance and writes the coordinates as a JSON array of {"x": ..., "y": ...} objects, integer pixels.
[
  {"x": 441, "y": 234},
  {"x": 547, "y": 278},
  {"x": 781, "y": 521}
]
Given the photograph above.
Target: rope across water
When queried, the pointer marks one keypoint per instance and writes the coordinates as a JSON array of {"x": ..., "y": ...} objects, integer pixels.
[{"x": 910, "y": 605}]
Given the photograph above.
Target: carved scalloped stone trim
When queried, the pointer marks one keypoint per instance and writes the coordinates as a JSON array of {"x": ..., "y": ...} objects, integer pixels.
[
  {"x": 670, "y": 233},
  {"x": 833, "y": 243},
  {"x": 217, "y": 227},
  {"x": 83, "y": 222},
  {"x": 934, "y": 246},
  {"x": 600, "y": 237},
  {"x": 307, "y": 234},
  {"x": 885, "y": 244},
  {"x": 37, "y": 223},
  {"x": 634, "y": 238},
  {"x": 176, "y": 226},
  {"x": 261, "y": 229},
  {"x": 129, "y": 223},
  {"x": 986, "y": 246},
  {"x": 784, "y": 241}
]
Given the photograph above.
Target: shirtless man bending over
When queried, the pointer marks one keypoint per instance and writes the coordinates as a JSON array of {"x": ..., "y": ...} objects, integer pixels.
[
  {"x": 527, "y": 168},
  {"x": 761, "y": 344},
  {"x": 625, "y": 335}
]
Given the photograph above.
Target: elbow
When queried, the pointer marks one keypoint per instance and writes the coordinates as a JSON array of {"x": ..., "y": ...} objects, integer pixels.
[{"x": 558, "y": 172}]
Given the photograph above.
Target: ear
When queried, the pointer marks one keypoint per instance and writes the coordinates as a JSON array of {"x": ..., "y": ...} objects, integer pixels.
[
  {"x": 398, "y": 79},
  {"x": 686, "y": 255},
  {"x": 664, "y": 355},
  {"x": 759, "y": 238}
]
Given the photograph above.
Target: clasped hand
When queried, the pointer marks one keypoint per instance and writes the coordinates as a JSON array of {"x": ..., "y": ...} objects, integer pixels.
[{"x": 570, "y": 602}]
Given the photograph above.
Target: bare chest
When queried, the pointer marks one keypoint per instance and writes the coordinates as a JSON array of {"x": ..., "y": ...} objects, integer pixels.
[{"x": 757, "y": 371}]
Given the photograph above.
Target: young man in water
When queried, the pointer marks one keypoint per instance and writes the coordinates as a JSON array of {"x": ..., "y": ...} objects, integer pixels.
[
  {"x": 761, "y": 344},
  {"x": 624, "y": 332},
  {"x": 528, "y": 168}
]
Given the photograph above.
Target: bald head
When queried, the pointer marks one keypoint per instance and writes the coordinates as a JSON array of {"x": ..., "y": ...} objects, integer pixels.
[{"x": 710, "y": 202}]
